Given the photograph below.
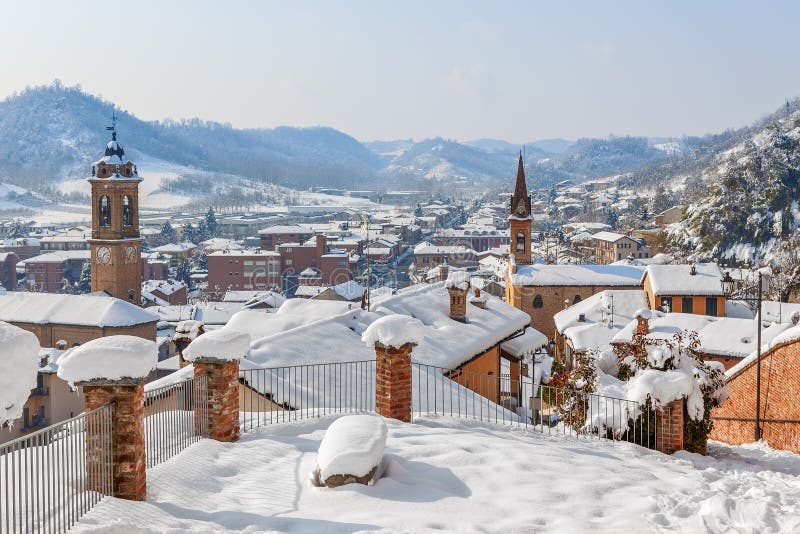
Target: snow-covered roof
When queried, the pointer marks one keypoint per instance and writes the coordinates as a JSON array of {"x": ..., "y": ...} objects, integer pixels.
[
  {"x": 175, "y": 247},
  {"x": 350, "y": 290},
  {"x": 309, "y": 291},
  {"x": 166, "y": 287},
  {"x": 576, "y": 275},
  {"x": 428, "y": 248},
  {"x": 526, "y": 344},
  {"x": 679, "y": 280},
  {"x": 608, "y": 236},
  {"x": 736, "y": 337},
  {"x": 605, "y": 314},
  {"x": 447, "y": 343},
  {"x": 58, "y": 256},
  {"x": 287, "y": 229},
  {"x": 84, "y": 310}
]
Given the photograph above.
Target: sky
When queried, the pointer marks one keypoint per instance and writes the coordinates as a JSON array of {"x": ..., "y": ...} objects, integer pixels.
[{"x": 519, "y": 71}]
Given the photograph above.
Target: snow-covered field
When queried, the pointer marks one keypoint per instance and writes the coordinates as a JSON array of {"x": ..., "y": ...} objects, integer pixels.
[{"x": 459, "y": 476}]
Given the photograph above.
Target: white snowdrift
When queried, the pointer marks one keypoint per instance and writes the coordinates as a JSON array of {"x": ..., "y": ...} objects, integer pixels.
[
  {"x": 19, "y": 365},
  {"x": 109, "y": 358},
  {"x": 353, "y": 445},
  {"x": 224, "y": 344},
  {"x": 394, "y": 331}
]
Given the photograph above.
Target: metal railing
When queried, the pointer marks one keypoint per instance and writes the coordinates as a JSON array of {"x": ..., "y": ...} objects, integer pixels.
[
  {"x": 282, "y": 394},
  {"x": 176, "y": 416},
  {"x": 50, "y": 478},
  {"x": 520, "y": 402}
]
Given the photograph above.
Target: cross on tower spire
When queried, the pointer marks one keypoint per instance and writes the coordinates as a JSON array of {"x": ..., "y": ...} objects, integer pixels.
[{"x": 113, "y": 127}]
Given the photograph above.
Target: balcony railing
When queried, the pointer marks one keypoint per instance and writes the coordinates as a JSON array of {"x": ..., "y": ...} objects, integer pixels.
[{"x": 40, "y": 391}]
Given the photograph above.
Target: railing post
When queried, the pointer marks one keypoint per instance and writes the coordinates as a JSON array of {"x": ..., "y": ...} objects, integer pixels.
[
  {"x": 669, "y": 427},
  {"x": 111, "y": 371},
  {"x": 216, "y": 356},
  {"x": 393, "y": 381},
  {"x": 222, "y": 386},
  {"x": 128, "y": 468}
]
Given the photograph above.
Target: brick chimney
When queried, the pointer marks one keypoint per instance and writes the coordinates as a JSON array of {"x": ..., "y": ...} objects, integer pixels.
[
  {"x": 478, "y": 300},
  {"x": 444, "y": 270},
  {"x": 457, "y": 285},
  {"x": 642, "y": 325},
  {"x": 322, "y": 245}
]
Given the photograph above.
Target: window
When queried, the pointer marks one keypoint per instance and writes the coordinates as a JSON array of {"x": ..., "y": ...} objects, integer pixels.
[
  {"x": 666, "y": 304},
  {"x": 538, "y": 302},
  {"x": 577, "y": 299},
  {"x": 289, "y": 261},
  {"x": 127, "y": 211},
  {"x": 711, "y": 306},
  {"x": 687, "y": 304},
  {"x": 105, "y": 211},
  {"x": 521, "y": 242}
]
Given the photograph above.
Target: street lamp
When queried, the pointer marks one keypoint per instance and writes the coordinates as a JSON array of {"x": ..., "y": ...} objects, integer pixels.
[{"x": 727, "y": 290}]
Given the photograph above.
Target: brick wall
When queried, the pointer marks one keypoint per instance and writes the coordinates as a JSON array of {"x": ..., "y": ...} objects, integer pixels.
[
  {"x": 50, "y": 334},
  {"x": 393, "y": 382},
  {"x": 780, "y": 382}
]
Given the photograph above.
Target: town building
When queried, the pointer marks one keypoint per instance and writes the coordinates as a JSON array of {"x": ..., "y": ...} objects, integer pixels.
[
  {"x": 694, "y": 288},
  {"x": 55, "y": 271},
  {"x": 669, "y": 216},
  {"x": 243, "y": 269},
  {"x": 164, "y": 293},
  {"x": 8, "y": 271},
  {"x": 75, "y": 319},
  {"x": 284, "y": 233},
  {"x": 76, "y": 238},
  {"x": 23, "y": 247},
  {"x": 611, "y": 246}
]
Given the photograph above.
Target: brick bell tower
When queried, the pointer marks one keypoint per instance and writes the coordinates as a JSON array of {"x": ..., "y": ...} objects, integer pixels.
[
  {"x": 116, "y": 245},
  {"x": 519, "y": 220}
]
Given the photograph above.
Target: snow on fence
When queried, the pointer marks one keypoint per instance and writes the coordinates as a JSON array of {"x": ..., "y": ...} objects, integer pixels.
[
  {"x": 176, "y": 416},
  {"x": 522, "y": 402},
  {"x": 280, "y": 394},
  {"x": 44, "y": 482}
]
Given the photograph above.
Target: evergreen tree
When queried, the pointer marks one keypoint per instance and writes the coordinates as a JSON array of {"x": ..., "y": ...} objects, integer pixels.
[
  {"x": 211, "y": 223},
  {"x": 16, "y": 229},
  {"x": 167, "y": 233},
  {"x": 202, "y": 261},
  {"x": 202, "y": 231},
  {"x": 85, "y": 281},
  {"x": 189, "y": 233},
  {"x": 182, "y": 273}
]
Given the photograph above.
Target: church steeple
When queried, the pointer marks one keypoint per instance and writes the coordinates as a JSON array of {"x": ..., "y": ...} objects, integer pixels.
[
  {"x": 116, "y": 244},
  {"x": 521, "y": 201},
  {"x": 519, "y": 220}
]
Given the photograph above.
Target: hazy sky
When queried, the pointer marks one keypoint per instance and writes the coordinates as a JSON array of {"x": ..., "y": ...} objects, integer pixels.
[{"x": 395, "y": 69}]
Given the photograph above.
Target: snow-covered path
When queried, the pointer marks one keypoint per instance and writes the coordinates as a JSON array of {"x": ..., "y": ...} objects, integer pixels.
[{"x": 458, "y": 476}]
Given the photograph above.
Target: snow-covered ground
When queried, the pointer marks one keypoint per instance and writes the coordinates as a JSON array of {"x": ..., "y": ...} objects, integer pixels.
[{"x": 459, "y": 476}]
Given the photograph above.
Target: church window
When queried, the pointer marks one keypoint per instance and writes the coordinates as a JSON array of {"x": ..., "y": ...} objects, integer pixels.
[
  {"x": 538, "y": 302},
  {"x": 127, "y": 211},
  {"x": 520, "y": 241},
  {"x": 577, "y": 299},
  {"x": 105, "y": 211}
]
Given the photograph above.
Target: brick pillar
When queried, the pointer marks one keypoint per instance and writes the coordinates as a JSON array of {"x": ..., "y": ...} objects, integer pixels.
[
  {"x": 222, "y": 381},
  {"x": 127, "y": 436},
  {"x": 669, "y": 427},
  {"x": 393, "y": 381}
]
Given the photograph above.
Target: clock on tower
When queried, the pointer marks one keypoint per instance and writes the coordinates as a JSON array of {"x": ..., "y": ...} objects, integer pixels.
[{"x": 116, "y": 245}]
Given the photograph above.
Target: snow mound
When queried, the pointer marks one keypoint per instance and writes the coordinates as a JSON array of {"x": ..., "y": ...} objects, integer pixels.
[
  {"x": 394, "y": 331},
  {"x": 353, "y": 445},
  {"x": 224, "y": 344},
  {"x": 19, "y": 365},
  {"x": 109, "y": 358}
]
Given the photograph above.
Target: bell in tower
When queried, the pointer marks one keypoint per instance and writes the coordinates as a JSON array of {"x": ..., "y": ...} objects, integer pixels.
[{"x": 116, "y": 244}]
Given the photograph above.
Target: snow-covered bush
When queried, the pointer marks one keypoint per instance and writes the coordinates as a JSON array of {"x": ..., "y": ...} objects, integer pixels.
[
  {"x": 19, "y": 365},
  {"x": 652, "y": 372}
]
